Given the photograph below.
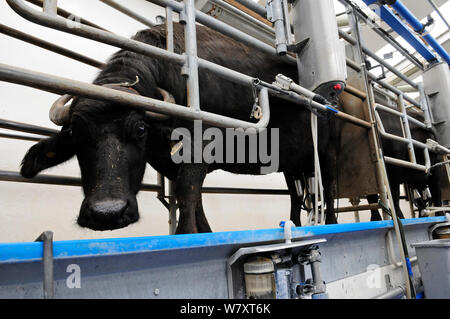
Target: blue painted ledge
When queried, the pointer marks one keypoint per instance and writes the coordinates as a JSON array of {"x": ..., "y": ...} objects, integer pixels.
[{"x": 25, "y": 252}]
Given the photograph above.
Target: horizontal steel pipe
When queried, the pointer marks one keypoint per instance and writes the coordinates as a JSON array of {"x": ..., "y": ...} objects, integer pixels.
[
  {"x": 66, "y": 14},
  {"x": 354, "y": 91},
  {"x": 27, "y": 128},
  {"x": 402, "y": 163},
  {"x": 229, "y": 7},
  {"x": 357, "y": 208},
  {"x": 21, "y": 137},
  {"x": 8, "y": 176},
  {"x": 136, "y": 16},
  {"x": 61, "y": 85},
  {"x": 49, "y": 46},
  {"x": 404, "y": 140},
  {"x": 254, "y": 6},
  {"x": 399, "y": 114}
]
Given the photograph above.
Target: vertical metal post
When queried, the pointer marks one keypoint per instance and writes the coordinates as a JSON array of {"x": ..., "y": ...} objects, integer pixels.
[
  {"x": 355, "y": 202},
  {"x": 406, "y": 129},
  {"x": 172, "y": 200},
  {"x": 47, "y": 239},
  {"x": 190, "y": 33},
  {"x": 169, "y": 29},
  {"x": 318, "y": 187},
  {"x": 50, "y": 6}
]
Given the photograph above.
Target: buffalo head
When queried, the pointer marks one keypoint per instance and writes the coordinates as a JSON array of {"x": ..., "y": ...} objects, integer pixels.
[{"x": 110, "y": 144}]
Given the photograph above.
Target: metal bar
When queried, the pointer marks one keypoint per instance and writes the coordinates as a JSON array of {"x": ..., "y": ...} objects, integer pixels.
[
  {"x": 435, "y": 7},
  {"x": 61, "y": 85},
  {"x": 47, "y": 259},
  {"x": 245, "y": 15},
  {"x": 404, "y": 140},
  {"x": 354, "y": 91},
  {"x": 27, "y": 128},
  {"x": 21, "y": 137},
  {"x": 190, "y": 37},
  {"x": 402, "y": 163},
  {"x": 8, "y": 176},
  {"x": 407, "y": 130},
  {"x": 417, "y": 26},
  {"x": 50, "y": 6},
  {"x": 66, "y": 14},
  {"x": 49, "y": 46},
  {"x": 357, "y": 208},
  {"x": 399, "y": 114},
  {"x": 254, "y": 6},
  {"x": 129, "y": 12},
  {"x": 169, "y": 29}
]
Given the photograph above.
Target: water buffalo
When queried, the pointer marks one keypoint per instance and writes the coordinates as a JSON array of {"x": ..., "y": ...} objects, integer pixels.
[{"x": 113, "y": 143}]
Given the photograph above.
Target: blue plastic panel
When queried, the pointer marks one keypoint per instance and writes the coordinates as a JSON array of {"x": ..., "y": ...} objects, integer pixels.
[{"x": 21, "y": 252}]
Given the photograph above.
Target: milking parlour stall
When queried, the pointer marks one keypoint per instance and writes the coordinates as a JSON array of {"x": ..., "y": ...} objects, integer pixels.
[{"x": 216, "y": 152}]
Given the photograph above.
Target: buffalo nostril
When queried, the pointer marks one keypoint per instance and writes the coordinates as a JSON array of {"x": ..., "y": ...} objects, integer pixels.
[{"x": 108, "y": 209}]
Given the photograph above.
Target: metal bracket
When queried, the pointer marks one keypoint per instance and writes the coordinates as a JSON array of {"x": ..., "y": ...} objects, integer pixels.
[
  {"x": 299, "y": 47},
  {"x": 47, "y": 238}
]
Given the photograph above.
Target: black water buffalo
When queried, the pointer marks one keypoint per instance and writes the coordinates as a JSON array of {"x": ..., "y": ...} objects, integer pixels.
[
  {"x": 113, "y": 143},
  {"x": 397, "y": 175}
]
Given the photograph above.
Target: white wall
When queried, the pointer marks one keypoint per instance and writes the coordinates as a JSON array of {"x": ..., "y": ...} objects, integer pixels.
[{"x": 26, "y": 210}]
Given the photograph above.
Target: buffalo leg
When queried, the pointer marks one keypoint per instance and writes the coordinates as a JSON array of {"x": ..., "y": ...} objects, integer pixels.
[
  {"x": 395, "y": 191},
  {"x": 435, "y": 190},
  {"x": 374, "y": 213},
  {"x": 202, "y": 222},
  {"x": 296, "y": 201},
  {"x": 188, "y": 193},
  {"x": 329, "y": 180}
]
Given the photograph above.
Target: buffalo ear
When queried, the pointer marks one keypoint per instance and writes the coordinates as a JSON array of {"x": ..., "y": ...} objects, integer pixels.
[{"x": 48, "y": 153}]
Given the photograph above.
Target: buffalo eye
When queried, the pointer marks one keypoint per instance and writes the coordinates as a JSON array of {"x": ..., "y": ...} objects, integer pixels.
[{"x": 140, "y": 129}]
